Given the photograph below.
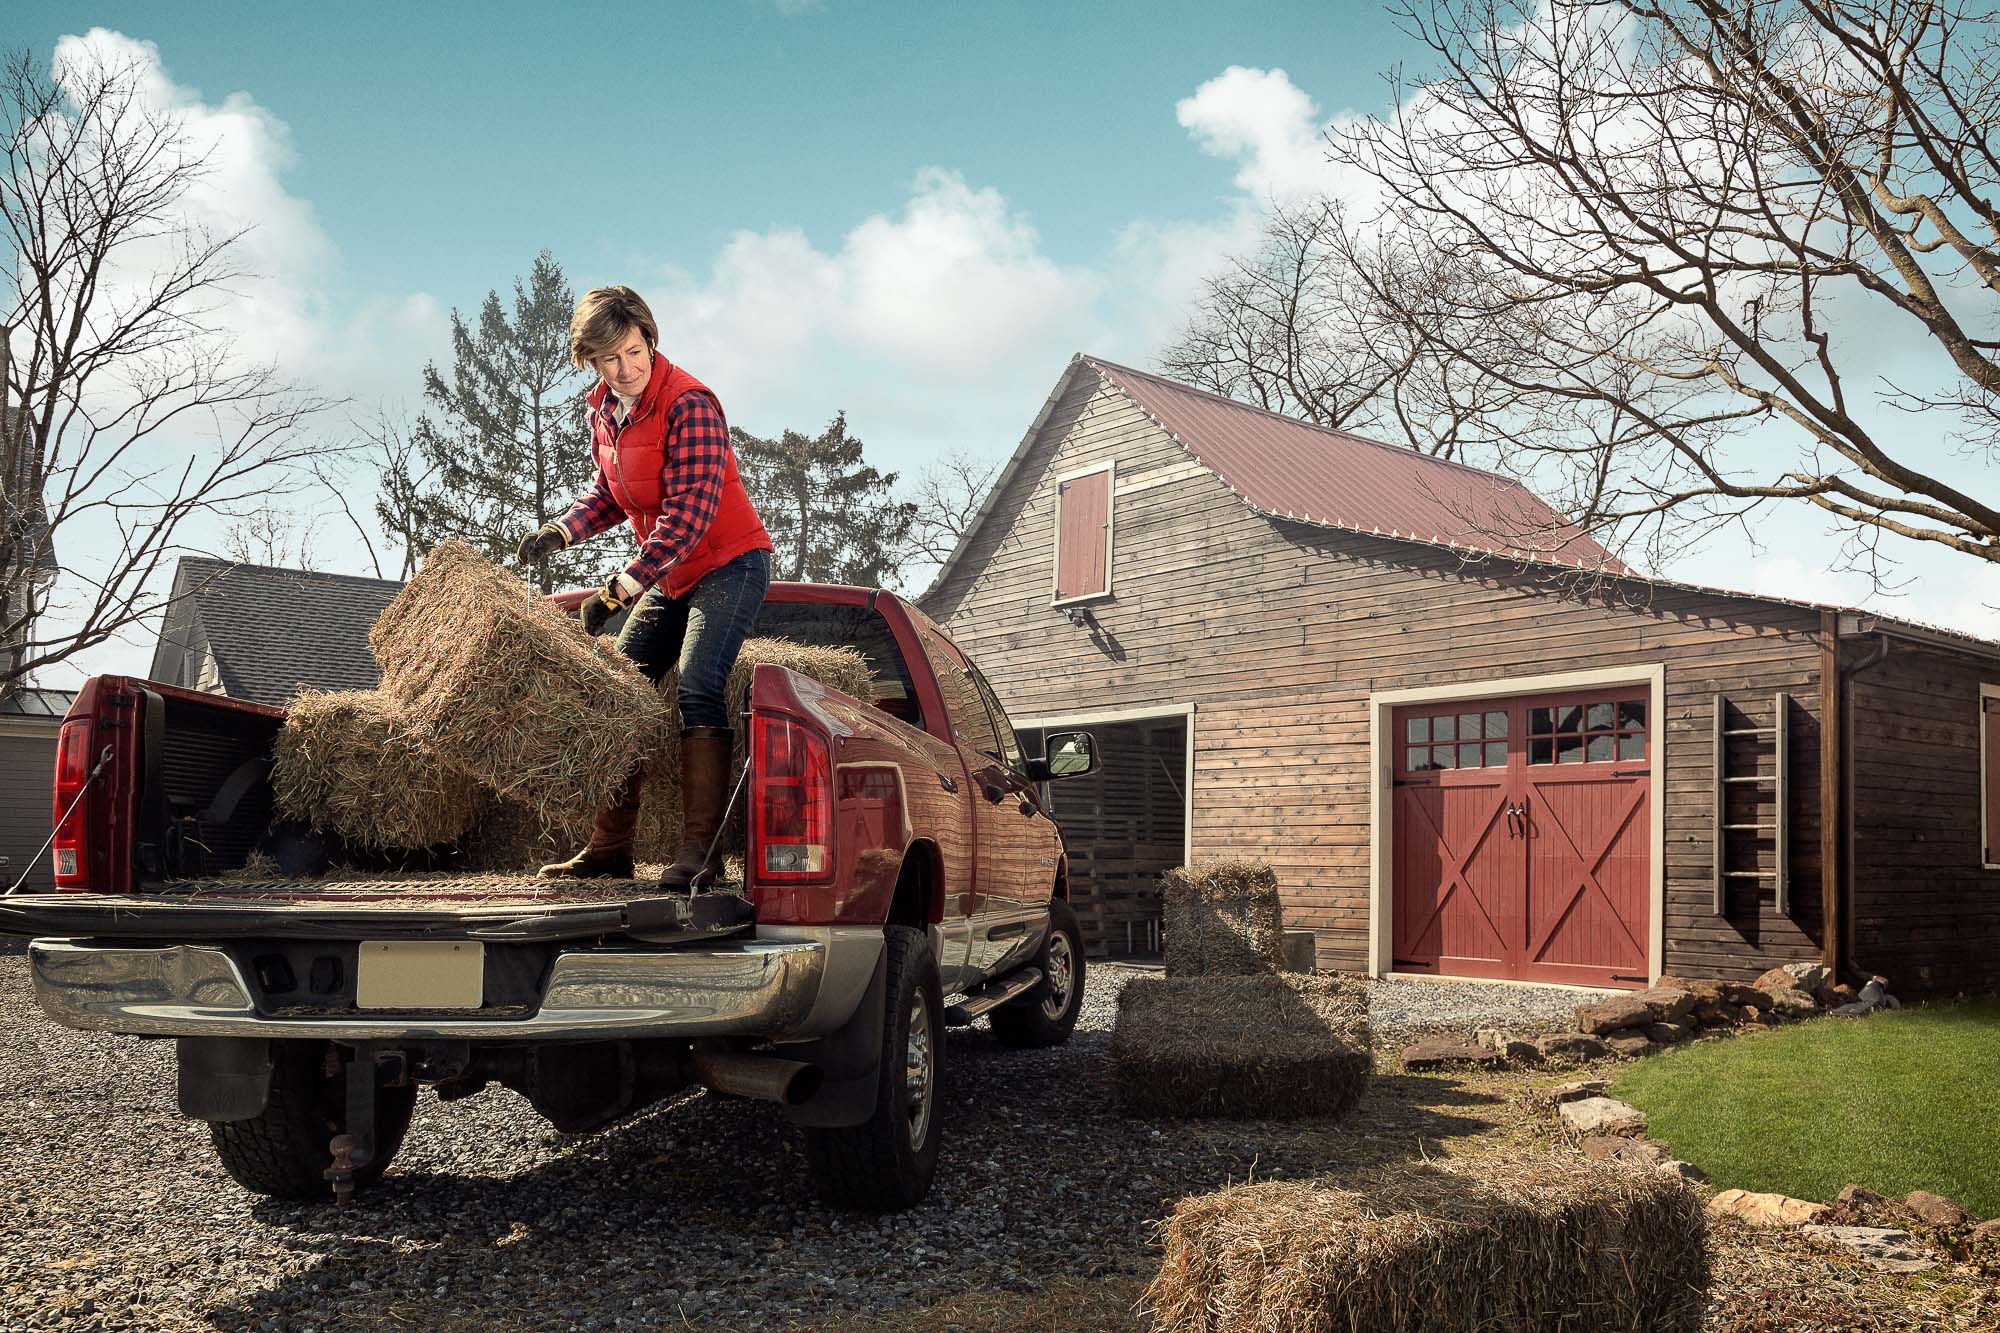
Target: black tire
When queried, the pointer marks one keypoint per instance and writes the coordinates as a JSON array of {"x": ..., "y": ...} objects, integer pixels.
[
  {"x": 886, "y": 1164},
  {"x": 1046, "y": 1015},
  {"x": 284, "y": 1152}
]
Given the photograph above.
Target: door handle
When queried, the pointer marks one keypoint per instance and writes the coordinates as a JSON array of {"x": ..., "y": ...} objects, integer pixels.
[
  {"x": 994, "y": 794},
  {"x": 947, "y": 782},
  {"x": 1027, "y": 807},
  {"x": 1513, "y": 814}
]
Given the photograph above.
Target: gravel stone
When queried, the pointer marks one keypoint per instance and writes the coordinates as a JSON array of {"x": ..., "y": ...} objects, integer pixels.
[{"x": 1401, "y": 1006}]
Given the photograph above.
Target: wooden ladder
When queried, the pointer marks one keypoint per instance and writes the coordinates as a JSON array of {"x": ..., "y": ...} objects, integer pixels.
[{"x": 1777, "y": 780}]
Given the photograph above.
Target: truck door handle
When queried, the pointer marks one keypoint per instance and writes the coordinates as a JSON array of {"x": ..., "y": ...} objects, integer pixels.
[
  {"x": 947, "y": 782},
  {"x": 1027, "y": 807},
  {"x": 994, "y": 794}
]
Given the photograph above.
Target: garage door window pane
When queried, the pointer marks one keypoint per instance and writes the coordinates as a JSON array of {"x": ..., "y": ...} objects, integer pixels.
[
  {"x": 1496, "y": 725},
  {"x": 1443, "y": 729},
  {"x": 1541, "y": 752},
  {"x": 1541, "y": 721},
  {"x": 1496, "y": 754},
  {"x": 1603, "y": 717},
  {"x": 1569, "y": 749},
  {"x": 1632, "y": 715},
  {"x": 1418, "y": 760},
  {"x": 1468, "y": 755},
  {"x": 1570, "y": 718},
  {"x": 1600, "y": 749},
  {"x": 1632, "y": 747},
  {"x": 1442, "y": 756},
  {"x": 1468, "y": 726},
  {"x": 1417, "y": 729}
]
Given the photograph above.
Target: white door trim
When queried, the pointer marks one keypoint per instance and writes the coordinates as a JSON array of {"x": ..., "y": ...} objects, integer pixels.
[
  {"x": 1381, "y": 762},
  {"x": 1054, "y": 721}
]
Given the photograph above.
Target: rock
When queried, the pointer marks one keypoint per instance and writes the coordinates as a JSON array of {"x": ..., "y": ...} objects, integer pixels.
[
  {"x": 1668, "y": 981},
  {"x": 1685, "y": 1170},
  {"x": 1439, "y": 1052},
  {"x": 1729, "y": 1015},
  {"x": 1571, "y": 1046},
  {"x": 1841, "y": 993},
  {"x": 1794, "y": 1003},
  {"x": 1736, "y": 993},
  {"x": 1670, "y": 1004},
  {"x": 1765, "y": 1210},
  {"x": 1602, "y": 1115},
  {"x": 1933, "y": 1209},
  {"x": 1756, "y": 1016},
  {"x": 1629, "y": 1043},
  {"x": 1986, "y": 1233},
  {"x": 1809, "y": 977},
  {"x": 1666, "y": 1034},
  {"x": 1624, "y": 1011},
  {"x": 1619, "y": 1148},
  {"x": 1883, "y": 1247},
  {"x": 1508, "y": 1045},
  {"x": 1861, "y": 1200},
  {"x": 1776, "y": 979},
  {"x": 1581, "y": 1088}
]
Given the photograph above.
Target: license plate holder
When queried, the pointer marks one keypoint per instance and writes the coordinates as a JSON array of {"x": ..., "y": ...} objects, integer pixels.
[{"x": 420, "y": 974}]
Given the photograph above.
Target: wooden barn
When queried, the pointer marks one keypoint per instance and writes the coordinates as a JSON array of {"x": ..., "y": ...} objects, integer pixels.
[{"x": 1470, "y": 742}]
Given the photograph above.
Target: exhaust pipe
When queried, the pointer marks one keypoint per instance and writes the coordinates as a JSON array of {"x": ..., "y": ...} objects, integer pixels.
[{"x": 764, "y": 1078}]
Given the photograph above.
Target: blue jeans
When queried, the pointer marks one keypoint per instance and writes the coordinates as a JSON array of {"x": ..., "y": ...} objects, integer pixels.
[{"x": 700, "y": 633}]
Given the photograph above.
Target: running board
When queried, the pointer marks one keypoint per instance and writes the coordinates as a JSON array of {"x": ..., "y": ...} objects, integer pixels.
[{"x": 992, "y": 996}]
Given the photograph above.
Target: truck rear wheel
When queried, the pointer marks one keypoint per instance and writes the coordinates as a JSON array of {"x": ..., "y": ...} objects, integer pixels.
[
  {"x": 1047, "y": 1014},
  {"x": 886, "y": 1163},
  {"x": 284, "y": 1151}
]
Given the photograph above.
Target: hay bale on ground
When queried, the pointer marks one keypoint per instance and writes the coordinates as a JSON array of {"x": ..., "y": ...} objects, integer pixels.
[
  {"x": 1241, "y": 1047},
  {"x": 507, "y": 688},
  {"x": 348, "y": 763},
  {"x": 1551, "y": 1245},
  {"x": 1223, "y": 918}
]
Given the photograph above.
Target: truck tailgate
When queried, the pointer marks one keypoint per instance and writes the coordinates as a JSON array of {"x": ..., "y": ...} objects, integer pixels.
[{"x": 479, "y": 907}]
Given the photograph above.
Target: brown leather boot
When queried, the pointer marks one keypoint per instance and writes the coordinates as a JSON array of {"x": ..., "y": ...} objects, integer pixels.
[
  {"x": 704, "y": 791},
  {"x": 608, "y": 854}
]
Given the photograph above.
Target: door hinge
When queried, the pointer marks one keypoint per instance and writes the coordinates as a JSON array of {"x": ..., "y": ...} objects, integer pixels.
[
  {"x": 1616, "y": 976},
  {"x": 1416, "y": 782},
  {"x": 1632, "y": 773}
]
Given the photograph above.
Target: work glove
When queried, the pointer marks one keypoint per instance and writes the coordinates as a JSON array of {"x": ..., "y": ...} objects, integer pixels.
[
  {"x": 542, "y": 543},
  {"x": 601, "y": 605}
]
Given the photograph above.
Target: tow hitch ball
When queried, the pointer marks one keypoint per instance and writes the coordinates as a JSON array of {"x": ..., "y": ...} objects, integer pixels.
[{"x": 354, "y": 1147}]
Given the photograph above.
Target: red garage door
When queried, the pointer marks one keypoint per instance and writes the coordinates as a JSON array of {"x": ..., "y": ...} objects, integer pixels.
[{"x": 1522, "y": 838}]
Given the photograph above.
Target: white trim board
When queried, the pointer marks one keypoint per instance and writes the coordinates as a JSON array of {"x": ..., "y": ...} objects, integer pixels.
[
  {"x": 1381, "y": 830},
  {"x": 1159, "y": 712}
]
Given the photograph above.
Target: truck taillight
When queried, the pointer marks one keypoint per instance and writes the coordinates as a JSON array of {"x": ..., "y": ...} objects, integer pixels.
[
  {"x": 71, "y": 847},
  {"x": 792, "y": 818}
]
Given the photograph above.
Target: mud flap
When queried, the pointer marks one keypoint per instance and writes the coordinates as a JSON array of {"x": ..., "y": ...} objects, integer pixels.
[
  {"x": 850, "y": 1058},
  {"x": 224, "y": 1078}
]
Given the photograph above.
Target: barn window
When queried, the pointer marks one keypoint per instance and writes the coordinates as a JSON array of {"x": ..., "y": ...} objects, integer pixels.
[
  {"x": 1989, "y": 776},
  {"x": 1083, "y": 536},
  {"x": 1587, "y": 733}
]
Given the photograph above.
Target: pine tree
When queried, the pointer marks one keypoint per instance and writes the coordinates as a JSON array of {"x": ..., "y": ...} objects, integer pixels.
[
  {"x": 832, "y": 517},
  {"x": 504, "y": 446}
]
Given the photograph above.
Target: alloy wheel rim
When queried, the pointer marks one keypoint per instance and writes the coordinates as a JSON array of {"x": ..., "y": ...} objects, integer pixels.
[
  {"x": 919, "y": 1079},
  {"x": 1062, "y": 976}
]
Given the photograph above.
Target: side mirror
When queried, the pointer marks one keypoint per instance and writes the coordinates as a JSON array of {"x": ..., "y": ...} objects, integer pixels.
[{"x": 1069, "y": 754}]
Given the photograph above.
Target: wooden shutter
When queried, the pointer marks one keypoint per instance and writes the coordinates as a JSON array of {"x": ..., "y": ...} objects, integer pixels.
[
  {"x": 1083, "y": 536},
  {"x": 1989, "y": 778}
]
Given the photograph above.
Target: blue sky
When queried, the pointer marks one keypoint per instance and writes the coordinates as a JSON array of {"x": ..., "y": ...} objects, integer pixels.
[{"x": 911, "y": 212}]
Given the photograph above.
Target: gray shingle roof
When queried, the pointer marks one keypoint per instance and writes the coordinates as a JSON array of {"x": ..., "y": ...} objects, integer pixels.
[{"x": 273, "y": 631}]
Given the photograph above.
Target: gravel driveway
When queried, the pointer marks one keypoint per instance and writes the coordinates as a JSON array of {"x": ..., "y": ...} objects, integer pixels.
[{"x": 115, "y": 1214}]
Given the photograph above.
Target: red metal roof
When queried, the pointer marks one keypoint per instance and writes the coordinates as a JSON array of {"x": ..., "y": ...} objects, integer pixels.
[{"x": 1288, "y": 468}]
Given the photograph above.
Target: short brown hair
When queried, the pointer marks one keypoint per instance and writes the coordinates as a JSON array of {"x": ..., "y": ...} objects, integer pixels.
[{"x": 601, "y": 320}]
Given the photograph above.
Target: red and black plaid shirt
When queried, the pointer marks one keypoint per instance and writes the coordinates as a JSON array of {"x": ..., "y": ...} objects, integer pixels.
[{"x": 696, "y": 452}]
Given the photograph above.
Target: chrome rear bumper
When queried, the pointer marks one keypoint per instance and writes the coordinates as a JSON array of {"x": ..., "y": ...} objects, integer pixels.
[{"x": 778, "y": 989}]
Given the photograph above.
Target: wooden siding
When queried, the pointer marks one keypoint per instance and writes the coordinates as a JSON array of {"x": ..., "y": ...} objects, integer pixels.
[
  {"x": 1923, "y": 911},
  {"x": 1278, "y": 632},
  {"x": 27, "y": 778}
]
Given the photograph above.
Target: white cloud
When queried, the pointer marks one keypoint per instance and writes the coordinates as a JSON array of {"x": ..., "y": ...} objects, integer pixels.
[{"x": 1273, "y": 130}]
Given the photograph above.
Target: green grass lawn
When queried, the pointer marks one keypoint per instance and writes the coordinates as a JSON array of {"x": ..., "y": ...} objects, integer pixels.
[{"x": 1897, "y": 1101}]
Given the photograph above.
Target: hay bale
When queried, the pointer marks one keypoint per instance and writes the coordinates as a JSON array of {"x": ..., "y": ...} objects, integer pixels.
[
  {"x": 1223, "y": 918},
  {"x": 349, "y": 763},
  {"x": 1241, "y": 1047},
  {"x": 843, "y": 669},
  {"x": 507, "y": 837},
  {"x": 510, "y": 690},
  {"x": 1551, "y": 1245}
]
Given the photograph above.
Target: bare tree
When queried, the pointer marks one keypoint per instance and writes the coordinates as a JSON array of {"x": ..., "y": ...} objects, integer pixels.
[
  {"x": 1725, "y": 240},
  {"x": 126, "y": 414},
  {"x": 271, "y": 534},
  {"x": 946, "y": 497}
]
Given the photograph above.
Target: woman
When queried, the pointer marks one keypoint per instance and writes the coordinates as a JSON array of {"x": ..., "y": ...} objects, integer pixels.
[{"x": 694, "y": 589}]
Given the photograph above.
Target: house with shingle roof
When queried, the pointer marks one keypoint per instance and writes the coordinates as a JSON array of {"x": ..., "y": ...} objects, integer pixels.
[
  {"x": 1469, "y": 740},
  {"x": 262, "y": 633}
]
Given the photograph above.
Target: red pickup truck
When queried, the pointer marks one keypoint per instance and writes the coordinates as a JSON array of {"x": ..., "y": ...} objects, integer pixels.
[{"x": 901, "y": 867}]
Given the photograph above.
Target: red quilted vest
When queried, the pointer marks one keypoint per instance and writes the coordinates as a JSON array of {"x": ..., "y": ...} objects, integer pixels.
[{"x": 632, "y": 467}]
